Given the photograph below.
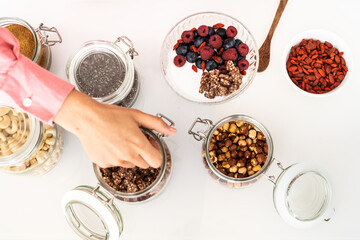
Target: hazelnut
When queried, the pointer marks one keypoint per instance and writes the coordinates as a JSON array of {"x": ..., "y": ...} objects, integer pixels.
[
  {"x": 242, "y": 137},
  {"x": 213, "y": 159},
  {"x": 240, "y": 154},
  {"x": 219, "y": 137},
  {"x": 248, "y": 166},
  {"x": 231, "y": 175},
  {"x": 243, "y": 149},
  {"x": 252, "y": 147},
  {"x": 244, "y": 130},
  {"x": 251, "y": 172},
  {"x": 242, "y": 143},
  {"x": 236, "y": 139},
  {"x": 232, "y": 128},
  {"x": 242, "y": 170},
  {"x": 233, "y": 147},
  {"x": 242, "y": 162},
  {"x": 261, "y": 158},
  {"x": 227, "y": 155},
  {"x": 232, "y": 162},
  {"x": 234, "y": 154},
  {"x": 224, "y": 149},
  {"x": 247, "y": 154},
  {"x": 266, "y": 148},
  {"x": 233, "y": 169},
  {"x": 248, "y": 141},
  {"x": 258, "y": 150},
  {"x": 216, "y": 132},
  {"x": 253, "y": 155},
  {"x": 222, "y": 170},
  {"x": 260, "y": 136},
  {"x": 225, "y": 165},
  {"x": 221, "y": 157},
  {"x": 254, "y": 162},
  {"x": 228, "y": 142},
  {"x": 211, "y": 146},
  {"x": 239, "y": 123},
  {"x": 252, "y": 133},
  {"x": 226, "y": 126},
  {"x": 212, "y": 154},
  {"x": 256, "y": 168}
]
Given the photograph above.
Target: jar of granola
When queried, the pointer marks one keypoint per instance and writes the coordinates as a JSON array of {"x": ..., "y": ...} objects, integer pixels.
[
  {"x": 28, "y": 146},
  {"x": 34, "y": 43}
]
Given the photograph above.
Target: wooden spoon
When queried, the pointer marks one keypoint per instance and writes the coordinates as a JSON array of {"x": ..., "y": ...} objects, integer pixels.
[{"x": 264, "y": 51}]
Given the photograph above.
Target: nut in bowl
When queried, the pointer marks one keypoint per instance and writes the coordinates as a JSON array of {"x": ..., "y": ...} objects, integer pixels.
[
  {"x": 209, "y": 58},
  {"x": 317, "y": 63}
]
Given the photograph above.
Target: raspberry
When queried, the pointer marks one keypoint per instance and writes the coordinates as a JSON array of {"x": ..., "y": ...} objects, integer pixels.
[
  {"x": 215, "y": 41},
  {"x": 187, "y": 36},
  {"x": 179, "y": 60},
  {"x": 203, "y": 30},
  {"x": 206, "y": 52},
  {"x": 223, "y": 70},
  {"x": 230, "y": 54},
  {"x": 231, "y": 31},
  {"x": 243, "y": 49},
  {"x": 243, "y": 64}
]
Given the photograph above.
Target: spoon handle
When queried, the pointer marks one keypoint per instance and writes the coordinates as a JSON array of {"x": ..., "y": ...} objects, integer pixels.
[{"x": 276, "y": 20}]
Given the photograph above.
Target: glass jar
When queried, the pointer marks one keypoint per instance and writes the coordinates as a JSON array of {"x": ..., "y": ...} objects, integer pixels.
[
  {"x": 302, "y": 193},
  {"x": 40, "y": 52},
  {"x": 28, "y": 146},
  {"x": 105, "y": 71},
  {"x": 91, "y": 211}
]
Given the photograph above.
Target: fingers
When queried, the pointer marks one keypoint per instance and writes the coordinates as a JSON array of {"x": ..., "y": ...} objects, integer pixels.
[
  {"x": 125, "y": 164},
  {"x": 138, "y": 161},
  {"x": 153, "y": 122},
  {"x": 148, "y": 152}
]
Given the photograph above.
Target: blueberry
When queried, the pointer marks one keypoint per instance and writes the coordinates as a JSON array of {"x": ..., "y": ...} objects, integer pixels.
[
  {"x": 240, "y": 57},
  {"x": 198, "y": 63},
  {"x": 221, "y": 32},
  {"x": 237, "y": 43},
  {"x": 210, "y": 65},
  {"x": 196, "y": 34},
  {"x": 198, "y": 41},
  {"x": 229, "y": 43},
  {"x": 211, "y": 31},
  {"x": 191, "y": 57},
  {"x": 182, "y": 49}
]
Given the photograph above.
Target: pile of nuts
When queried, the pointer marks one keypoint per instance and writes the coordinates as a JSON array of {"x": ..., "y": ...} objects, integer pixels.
[
  {"x": 221, "y": 82},
  {"x": 237, "y": 149},
  {"x": 129, "y": 180},
  {"x": 316, "y": 67}
]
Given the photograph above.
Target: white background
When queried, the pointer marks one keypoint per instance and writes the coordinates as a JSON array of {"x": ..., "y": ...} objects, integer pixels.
[{"x": 193, "y": 206}]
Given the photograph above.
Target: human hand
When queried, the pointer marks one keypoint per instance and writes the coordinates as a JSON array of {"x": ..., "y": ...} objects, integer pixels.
[{"x": 110, "y": 134}]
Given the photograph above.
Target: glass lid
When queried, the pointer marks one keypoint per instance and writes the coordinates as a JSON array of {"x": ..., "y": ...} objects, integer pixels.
[
  {"x": 303, "y": 195},
  {"x": 92, "y": 214}
]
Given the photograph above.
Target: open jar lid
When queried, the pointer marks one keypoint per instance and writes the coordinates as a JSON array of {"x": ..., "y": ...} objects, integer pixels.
[
  {"x": 103, "y": 70},
  {"x": 91, "y": 213},
  {"x": 303, "y": 195}
]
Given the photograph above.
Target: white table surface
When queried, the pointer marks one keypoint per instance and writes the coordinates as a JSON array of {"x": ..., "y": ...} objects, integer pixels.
[{"x": 193, "y": 206}]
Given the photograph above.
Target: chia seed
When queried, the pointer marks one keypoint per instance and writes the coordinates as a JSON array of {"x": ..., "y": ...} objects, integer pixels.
[
  {"x": 129, "y": 100},
  {"x": 100, "y": 74}
]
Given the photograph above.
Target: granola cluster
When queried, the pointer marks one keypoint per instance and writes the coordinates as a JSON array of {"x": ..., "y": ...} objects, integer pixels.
[{"x": 221, "y": 82}]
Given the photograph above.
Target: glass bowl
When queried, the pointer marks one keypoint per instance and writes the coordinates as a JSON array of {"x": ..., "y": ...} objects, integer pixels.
[
  {"x": 323, "y": 36},
  {"x": 184, "y": 81}
]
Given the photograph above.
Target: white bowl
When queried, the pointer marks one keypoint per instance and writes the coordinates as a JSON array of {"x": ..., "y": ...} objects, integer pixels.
[{"x": 323, "y": 36}]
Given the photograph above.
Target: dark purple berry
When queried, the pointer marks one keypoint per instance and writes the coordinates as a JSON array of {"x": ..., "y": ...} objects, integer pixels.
[
  {"x": 210, "y": 65},
  {"x": 191, "y": 57},
  {"x": 198, "y": 41},
  {"x": 198, "y": 63},
  {"x": 221, "y": 32},
  {"x": 237, "y": 43},
  {"x": 211, "y": 31},
  {"x": 182, "y": 49},
  {"x": 229, "y": 43}
]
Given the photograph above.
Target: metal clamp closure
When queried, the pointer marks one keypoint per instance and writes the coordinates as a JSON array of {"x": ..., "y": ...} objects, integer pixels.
[
  {"x": 131, "y": 51},
  {"x": 95, "y": 193},
  {"x": 44, "y": 38},
  {"x": 272, "y": 178},
  {"x": 163, "y": 117},
  {"x": 200, "y": 134}
]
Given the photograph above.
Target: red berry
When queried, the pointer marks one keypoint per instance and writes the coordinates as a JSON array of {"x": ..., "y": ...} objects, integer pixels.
[
  {"x": 187, "y": 36},
  {"x": 243, "y": 64},
  {"x": 243, "y": 49},
  {"x": 206, "y": 52},
  {"x": 230, "y": 54},
  {"x": 179, "y": 60},
  {"x": 223, "y": 70},
  {"x": 203, "y": 30},
  {"x": 215, "y": 41},
  {"x": 231, "y": 32}
]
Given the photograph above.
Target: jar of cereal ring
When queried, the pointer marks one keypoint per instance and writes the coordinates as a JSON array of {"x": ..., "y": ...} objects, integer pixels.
[
  {"x": 28, "y": 146},
  {"x": 34, "y": 43}
]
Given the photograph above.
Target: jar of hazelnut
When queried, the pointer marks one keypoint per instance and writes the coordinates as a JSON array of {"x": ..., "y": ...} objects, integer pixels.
[
  {"x": 238, "y": 150},
  {"x": 34, "y": 43},
  {"x": 91, "y": 211},
  {"x": 28, "y": 146}
]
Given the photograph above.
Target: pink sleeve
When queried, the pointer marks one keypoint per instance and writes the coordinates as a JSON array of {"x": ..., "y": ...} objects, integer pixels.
[{"x": 27, "y": 86}]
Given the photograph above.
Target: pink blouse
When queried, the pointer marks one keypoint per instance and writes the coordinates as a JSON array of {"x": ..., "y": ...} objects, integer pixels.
[{"x": 27, "y": 86}]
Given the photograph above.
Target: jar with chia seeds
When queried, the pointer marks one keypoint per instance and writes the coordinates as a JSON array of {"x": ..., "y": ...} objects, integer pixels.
[
  {"x": 302, "y": 192},
  {"x": 92, "y": 212},
  {"x": 105, "y": 71},
  {"x": 34, "y": 43},
  {"x": 28, "y": 146}
]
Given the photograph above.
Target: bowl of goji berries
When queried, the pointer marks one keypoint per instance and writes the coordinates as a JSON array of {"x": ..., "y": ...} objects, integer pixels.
[
  {"x": 209, "y": 57},
  {"x": 317, "y": 62}
]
